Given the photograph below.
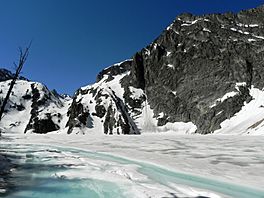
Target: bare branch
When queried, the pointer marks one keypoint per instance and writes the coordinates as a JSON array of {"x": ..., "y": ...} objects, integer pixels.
[
  {"x": 15, "y": 65},
  {"x": 23, "y": 55}
]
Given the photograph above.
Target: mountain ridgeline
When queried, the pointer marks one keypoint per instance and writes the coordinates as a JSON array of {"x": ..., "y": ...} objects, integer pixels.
[{"x": 203, "y": 74}]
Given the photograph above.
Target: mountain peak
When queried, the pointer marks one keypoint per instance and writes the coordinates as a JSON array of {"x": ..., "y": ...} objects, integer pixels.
[{"x": 203, "y": 74}]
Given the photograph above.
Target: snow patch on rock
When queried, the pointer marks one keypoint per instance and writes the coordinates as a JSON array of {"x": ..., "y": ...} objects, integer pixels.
[{"x": 249, "y": 120}]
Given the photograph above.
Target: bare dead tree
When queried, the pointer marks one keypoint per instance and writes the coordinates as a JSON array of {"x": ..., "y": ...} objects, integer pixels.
[{"x": 23, "y": 54}]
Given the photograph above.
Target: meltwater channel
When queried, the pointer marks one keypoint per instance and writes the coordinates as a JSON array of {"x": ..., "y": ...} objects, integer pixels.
[{"x": 62, "y": 172}]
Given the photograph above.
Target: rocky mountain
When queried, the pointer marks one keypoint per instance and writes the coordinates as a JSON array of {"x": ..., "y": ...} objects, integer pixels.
[
  {"x": 32, "y": 108},
  {"x": 203, "y": 74}
]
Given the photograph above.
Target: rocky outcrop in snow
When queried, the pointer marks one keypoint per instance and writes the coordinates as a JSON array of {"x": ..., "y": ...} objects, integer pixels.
[
  {"x": 199, "y": 76},
  {"x": 101, "y": 107},
  {"x": 196, "y": 61},
  {"x": 200, "y": 70},
  {"x": 33, "y": 108}
]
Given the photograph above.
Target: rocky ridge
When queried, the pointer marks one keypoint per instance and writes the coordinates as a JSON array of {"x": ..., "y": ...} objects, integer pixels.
[
  {"x": 203, "y": 74},
  {"x": 201, "y": 69},
  {"x": 32, "y": 108}
]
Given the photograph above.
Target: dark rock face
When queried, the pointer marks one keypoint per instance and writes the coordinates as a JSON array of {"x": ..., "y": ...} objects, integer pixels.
[
  {"x": 199, "y": 70},
  {"x": 37, "y": 124},
  {"x": 7, "y": 75},
  {"x": 78, "y": 116},
  {"x": 44, "y": 125},
  {"x": 100, "y": 102},
  {"x": 196, "y": 61},
  {"x": 138, "y": 72},
  {"x": 114, "y": 117},
  {"x": 33, "y": 108}
]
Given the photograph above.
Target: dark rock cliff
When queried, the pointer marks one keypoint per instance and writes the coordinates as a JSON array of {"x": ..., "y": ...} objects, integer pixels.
[
  {"x": 45, "y": 123},
  {"x": 196, "y": 61},
  {"x": 7, "y": 75},
  {"x": 200, "y": 71}
]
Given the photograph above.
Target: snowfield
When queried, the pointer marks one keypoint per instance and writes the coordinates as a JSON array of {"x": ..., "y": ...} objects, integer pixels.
[{"x": 149, "y": 165}]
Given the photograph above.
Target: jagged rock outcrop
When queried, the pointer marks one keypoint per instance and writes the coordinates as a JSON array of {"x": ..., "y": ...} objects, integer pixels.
[
  {"x": 114, "y": 70},
  {"x": 33, "y": 108},
  {"x": 203, "y": 74},
  {"x": 44, "y": 124},
  {"x": 196, "y": 61},
  {"x": 7, "y": 75},
  {"x": 199, "y": 70},
  {"x": 101, "y": 105}
]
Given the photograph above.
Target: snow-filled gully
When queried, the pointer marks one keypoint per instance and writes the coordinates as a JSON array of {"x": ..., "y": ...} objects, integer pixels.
[{"x": 52, "y": 171}]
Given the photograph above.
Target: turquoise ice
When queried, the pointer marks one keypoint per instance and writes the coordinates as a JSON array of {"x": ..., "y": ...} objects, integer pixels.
[{"x": 37, "y": 175}]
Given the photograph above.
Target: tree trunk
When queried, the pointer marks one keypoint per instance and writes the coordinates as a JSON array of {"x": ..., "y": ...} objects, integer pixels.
[{"x": 22, "y": 60}]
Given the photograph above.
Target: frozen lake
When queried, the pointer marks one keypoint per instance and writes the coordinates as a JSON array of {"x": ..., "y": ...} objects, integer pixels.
[{"x": 136, "y": 166}]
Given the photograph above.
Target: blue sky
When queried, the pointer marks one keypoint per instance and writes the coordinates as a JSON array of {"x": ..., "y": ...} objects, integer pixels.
[{"x": 74, "y": 39}]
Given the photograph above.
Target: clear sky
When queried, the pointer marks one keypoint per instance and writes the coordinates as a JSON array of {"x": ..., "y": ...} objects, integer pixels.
[{"x": 74, "y": 39}]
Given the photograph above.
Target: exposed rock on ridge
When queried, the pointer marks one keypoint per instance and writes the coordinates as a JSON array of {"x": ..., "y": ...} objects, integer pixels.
[
  {"x": 102, "y": 104},
  {"x": 7, "y": 75},
  {"x": 202, "y": 74},
  {"x": 199, "y": 70},
  {"x": 33, "y": 108},
  {"x": 196, "y": 61}
]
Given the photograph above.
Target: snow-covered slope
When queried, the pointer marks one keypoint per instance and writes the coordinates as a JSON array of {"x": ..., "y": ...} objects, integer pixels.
[
  {"x": 203, "y": 74},
  {"x": 249, "y": 120},
  {"x": 111, "y": 107},
  {"x": 103, "y": 107},
  {"x": 32, "y": 108},
  {"x": 100, "y": 107}
]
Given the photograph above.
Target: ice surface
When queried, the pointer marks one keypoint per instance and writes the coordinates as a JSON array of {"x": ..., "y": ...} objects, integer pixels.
[{"x": 149, "y": 165}]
